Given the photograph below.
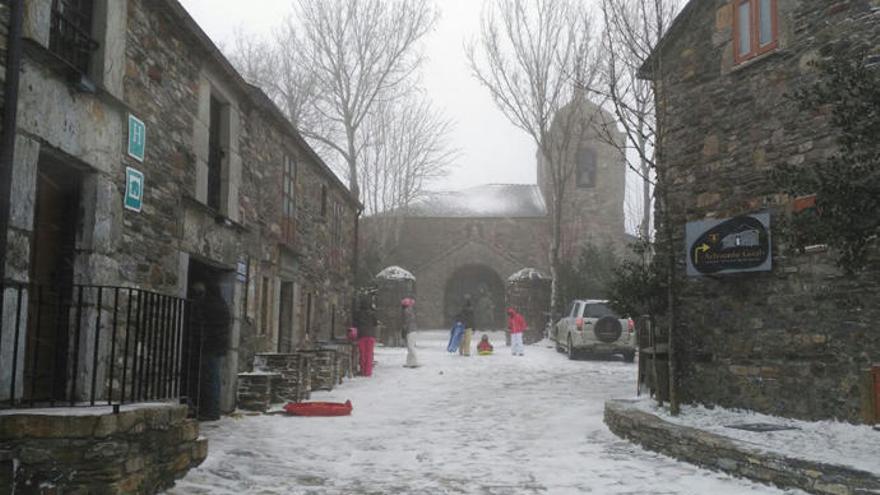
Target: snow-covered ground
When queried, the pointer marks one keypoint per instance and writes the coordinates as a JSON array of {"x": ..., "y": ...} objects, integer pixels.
[
  {"x": 482, "y": 425},
  {"x": 829, "y": 442}
]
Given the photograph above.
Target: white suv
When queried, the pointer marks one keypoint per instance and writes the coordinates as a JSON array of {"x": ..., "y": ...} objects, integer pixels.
[{"x": 592, "y": 327}]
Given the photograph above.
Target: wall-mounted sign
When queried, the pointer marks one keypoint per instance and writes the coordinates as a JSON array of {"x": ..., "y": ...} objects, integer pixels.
[
  {"x": 137, "y": 138},
  {"x": 740, "y": 244},
  {"x": 134, "y": 189}
]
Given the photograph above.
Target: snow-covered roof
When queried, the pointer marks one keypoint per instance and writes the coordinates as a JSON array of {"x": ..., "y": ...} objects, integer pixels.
[
  {"x": 486, "y": 201},
  {"x": 527, "y": 274},
  {"x": 395, "y": 273}
]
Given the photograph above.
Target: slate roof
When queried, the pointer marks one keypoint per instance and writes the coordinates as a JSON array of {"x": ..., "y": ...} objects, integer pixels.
[{"x": 486, "y": 201}]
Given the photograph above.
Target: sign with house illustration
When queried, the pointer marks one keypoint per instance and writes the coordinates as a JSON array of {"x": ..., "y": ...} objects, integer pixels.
[{"x": 734, "y": 245}]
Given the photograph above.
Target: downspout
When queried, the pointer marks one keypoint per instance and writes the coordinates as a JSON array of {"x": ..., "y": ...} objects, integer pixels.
[
  {"x": 10, "y": 126},
  {"x": 354, "y": 262}
]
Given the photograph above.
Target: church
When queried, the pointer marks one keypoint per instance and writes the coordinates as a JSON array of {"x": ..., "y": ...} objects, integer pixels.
[{"x": 470, "y": 241}]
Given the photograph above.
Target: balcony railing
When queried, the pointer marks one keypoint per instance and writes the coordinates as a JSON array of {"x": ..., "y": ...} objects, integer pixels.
[{"x": 88, "y": 345}]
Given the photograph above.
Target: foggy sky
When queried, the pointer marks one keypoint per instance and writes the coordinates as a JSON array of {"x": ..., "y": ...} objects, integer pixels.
[{"x": 491, "y": 149}]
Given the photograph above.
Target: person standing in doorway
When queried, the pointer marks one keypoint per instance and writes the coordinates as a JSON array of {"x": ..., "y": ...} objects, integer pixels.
[
  {"x": 408, "y": 331},
  {"x": 212, "y": 321},
  {"x": 517, "y": 325},
  {"x": 467, "y": 316},
  {"x": 366, "y": 330}
]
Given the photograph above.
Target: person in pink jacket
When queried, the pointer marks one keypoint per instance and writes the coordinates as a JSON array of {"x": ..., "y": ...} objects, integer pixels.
[{"x": 517, "y": 325}]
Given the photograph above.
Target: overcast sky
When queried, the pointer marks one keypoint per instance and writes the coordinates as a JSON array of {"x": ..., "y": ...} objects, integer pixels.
[{"x": 491, "y": 149}]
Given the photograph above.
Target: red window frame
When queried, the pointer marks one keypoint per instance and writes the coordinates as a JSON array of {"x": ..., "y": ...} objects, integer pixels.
[
  {"x": 288, "y": 204},
  {"x": 755, "y": 47}
]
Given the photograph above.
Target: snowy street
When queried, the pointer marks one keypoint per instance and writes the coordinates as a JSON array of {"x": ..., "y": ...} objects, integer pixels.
[{"x": 484, "y": 425}]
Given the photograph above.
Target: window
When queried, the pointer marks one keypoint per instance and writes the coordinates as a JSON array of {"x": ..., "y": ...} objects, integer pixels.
[
  {"x": 336, "y": 235},
  {"x": 215, "y": 153},
  {"x": 70, "y": 35},
  {"x": 323, "y": 201},
  {"x": 288, "y": 224},
  {"x": 755, "y": 28},
  {"x": 598, "y": 311},
  {"x": 586, "y": 168},
  {"x": 264, "y": 306}
]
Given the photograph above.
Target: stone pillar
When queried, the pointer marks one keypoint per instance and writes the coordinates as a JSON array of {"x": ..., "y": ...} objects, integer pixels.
[
  {"x": 528, "y": 290},
  {"x": 393, "y": 284}
]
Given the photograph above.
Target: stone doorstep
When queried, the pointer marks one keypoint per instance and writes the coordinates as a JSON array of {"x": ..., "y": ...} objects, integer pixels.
[{"x": 725, "y": 454}]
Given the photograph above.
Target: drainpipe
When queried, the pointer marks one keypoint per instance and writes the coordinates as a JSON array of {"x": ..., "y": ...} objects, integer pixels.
[
  {"x": 10, "y": 115},
  {"x": 354, "y": 262}
]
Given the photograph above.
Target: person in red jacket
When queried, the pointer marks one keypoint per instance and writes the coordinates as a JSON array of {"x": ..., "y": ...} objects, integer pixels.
[
  {"x": 484, "y": 348},
  {"x": 517, "y": 325}
]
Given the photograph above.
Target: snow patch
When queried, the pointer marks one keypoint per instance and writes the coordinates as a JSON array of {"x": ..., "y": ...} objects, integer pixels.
[
  {"x": 83, "y": 410},
  {"x": 829, "y": 442},
  {"x": 527, "y": 274},
  {"x": 485, "y": 201},
  {"x": 395, "y": 273}
]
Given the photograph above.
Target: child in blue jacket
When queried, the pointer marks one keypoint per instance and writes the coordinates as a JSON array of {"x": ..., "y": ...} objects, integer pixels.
[{"x": 456, "y": 335}]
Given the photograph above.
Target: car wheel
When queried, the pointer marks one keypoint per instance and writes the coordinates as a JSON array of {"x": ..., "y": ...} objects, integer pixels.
[
  {"x": 571, "y": 352},
  {"x": 629, "y": 357}
]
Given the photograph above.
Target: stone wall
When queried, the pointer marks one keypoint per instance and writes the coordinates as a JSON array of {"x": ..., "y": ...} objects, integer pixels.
[
  {"x": 433, "y": 249},
  {"x": 140, "y": 450},
  {"x": 723, "y": 454},
  {"x": 793, "y": 341}
]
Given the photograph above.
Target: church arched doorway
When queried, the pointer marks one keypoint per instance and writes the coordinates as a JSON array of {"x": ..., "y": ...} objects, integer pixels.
[{"x": 486, "y": 289}]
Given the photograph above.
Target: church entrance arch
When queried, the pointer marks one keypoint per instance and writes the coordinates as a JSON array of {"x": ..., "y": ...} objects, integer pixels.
[{"x": 486, "y": 289}]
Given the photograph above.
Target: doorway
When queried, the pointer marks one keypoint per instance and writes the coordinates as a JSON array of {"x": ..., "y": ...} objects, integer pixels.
[
  {"x": 286, "y": 336},
  {"x": 208, "y": 335},
  {"x": 486, "y": 290},
  {"x": 53, "y": 253}
]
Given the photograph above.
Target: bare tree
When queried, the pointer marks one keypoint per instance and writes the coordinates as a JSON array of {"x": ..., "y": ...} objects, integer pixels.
[
  {"x": 531, "y": 56},
  {"x": 360, "y": 52},
  {"x": 407, "y": 148},
  {"x": 632, "y": 30},
  {"x": 273, "y": 64}
]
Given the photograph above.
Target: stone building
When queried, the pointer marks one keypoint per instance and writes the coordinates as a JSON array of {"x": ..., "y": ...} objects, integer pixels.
[
  {"x": 144, "y": 162},
  {"x": 470, "y": 241},
  {"x": 795, "y": 339}
]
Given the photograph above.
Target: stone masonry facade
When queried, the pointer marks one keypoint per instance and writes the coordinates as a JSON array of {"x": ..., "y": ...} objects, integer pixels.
[
  {"x": 797, "y": 340},
  {"x": 230, "y": 189},
  {"x": 153, "y": 62}
]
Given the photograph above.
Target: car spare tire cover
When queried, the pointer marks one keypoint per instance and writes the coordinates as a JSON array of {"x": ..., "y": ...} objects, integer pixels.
[{"x": 608, "y": 329}]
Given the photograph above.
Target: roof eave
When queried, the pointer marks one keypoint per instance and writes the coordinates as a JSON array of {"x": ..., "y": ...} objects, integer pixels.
[
  {"x": 250, "y": 91},
  {"x": 647, "y": 69}
]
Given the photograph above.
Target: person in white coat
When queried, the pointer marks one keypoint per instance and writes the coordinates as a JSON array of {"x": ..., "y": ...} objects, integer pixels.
[{"x": 409, "y": 331}]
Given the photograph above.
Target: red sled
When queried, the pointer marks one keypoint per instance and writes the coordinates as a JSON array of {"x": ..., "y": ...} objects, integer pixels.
[{"x": 318, "y": 408}]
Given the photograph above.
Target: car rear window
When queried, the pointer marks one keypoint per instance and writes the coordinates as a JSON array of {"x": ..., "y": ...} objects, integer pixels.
[{"x": 598, "y": 311}]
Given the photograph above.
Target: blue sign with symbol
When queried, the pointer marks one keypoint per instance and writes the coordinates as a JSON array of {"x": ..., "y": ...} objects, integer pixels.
[
  {"x": 134, "y": 189},
  {"x": 137, "y": 138}
]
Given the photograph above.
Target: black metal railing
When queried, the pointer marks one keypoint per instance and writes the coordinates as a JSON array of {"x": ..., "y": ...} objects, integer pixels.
[
  {"x": 70, "y": 34},
  {"x": 87, "y": 345}
]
